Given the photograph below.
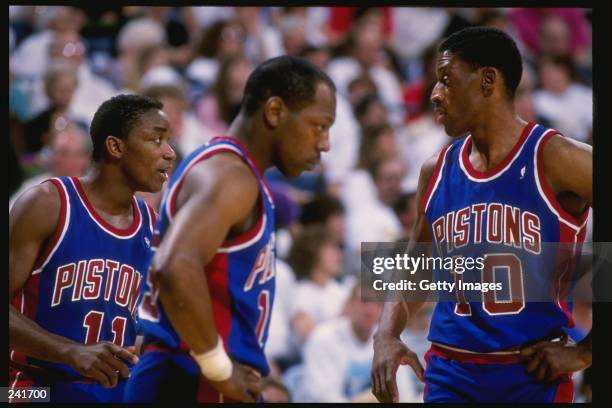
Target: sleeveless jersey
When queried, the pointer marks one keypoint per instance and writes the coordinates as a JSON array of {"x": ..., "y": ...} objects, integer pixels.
[
  {"x": 240, "y": 276},
  {"x": 85, "y": 285},
  {"x": 507, "y": 216}
]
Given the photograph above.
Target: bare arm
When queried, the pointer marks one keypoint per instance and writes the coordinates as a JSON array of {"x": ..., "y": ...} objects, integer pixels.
[
  {"x": 32, "y": 222},
  {"x": 389, "y": 350},
  {"x": 217, "y": 194},
  {"x": 568, "y": 165},
  {"x": 225, "y": 196}
]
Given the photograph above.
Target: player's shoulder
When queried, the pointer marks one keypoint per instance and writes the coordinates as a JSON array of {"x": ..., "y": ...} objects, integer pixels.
[
  {"x": 38, "y": 206},
  {"x": 429, "y": 167},
  {"x": 45, "y": 195},
  {"x": 560, "y": 147},
  {"x": 225, "y": 179},
  {"x": 225, "y": 168}
]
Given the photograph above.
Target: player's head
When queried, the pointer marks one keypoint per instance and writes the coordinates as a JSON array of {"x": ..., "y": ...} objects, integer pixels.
[
  {"x": 477, "y": 67},
  {"x": 131, "y": 132},
  {"x": 297, "y": 103}
]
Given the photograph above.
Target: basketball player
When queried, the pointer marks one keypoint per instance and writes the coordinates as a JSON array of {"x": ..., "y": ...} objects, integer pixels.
[
  {"x": 77, "y": 252},
  {"x": 507, "y": 181},
  {"x": 209, "y": 292}
]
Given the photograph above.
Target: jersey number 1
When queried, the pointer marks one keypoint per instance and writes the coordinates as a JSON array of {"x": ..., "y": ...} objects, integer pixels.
[{"x": 93, "y": 324}]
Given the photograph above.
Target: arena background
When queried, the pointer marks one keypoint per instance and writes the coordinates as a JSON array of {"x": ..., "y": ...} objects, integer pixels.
[{"x": 64, "y": 61}]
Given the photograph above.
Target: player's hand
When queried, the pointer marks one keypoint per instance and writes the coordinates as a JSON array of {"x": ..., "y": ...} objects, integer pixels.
[
  {"x": 243, "y": 385},
  {"x": 389, "y": 353},
  {"x": 548, "y": 361},
  {"x": 104, "y": 362}
]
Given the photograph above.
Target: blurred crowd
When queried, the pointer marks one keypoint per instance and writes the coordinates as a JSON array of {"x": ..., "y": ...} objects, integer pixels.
[{"x": 65, "y": 61}]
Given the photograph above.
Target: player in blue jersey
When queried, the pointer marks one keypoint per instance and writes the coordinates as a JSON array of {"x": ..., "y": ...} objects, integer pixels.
[
  {"x": 77, "y": 252},
  {"x": 505, "y": 185},
  {"x": 209, "y": 292}
]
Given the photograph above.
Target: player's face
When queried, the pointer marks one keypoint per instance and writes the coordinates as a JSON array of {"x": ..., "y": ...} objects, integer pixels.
[
  {"x": 149, "y": 158},
  {"x": 456, "y": 96},
  {"x": 306, "y": 134}
]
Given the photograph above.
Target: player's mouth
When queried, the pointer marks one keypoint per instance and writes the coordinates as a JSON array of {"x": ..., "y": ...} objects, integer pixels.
[
  {"x": 311, "y": 164},
  {"x": 164, "y": 173},
  {"x": 439, "y": 116}
]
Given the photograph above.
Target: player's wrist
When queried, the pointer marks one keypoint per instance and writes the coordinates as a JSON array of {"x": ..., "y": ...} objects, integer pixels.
[
  {"x": 586, "y": 353},
  {"x": 384, "y": 335},
  {"x": 215, "y": 364}
]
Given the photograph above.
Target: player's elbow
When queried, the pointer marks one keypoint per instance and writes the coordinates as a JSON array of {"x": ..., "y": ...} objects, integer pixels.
[{"x": 172, "y": 273}]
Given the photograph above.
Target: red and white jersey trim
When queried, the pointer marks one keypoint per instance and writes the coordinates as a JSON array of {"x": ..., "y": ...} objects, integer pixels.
[
  {"x": 483, "y": 176},
  {"x": 245, "y": 240},
  {"x": 546, "y": 192},
  {"x": 432, "y": 186},
  {"x": 127, "y": 233},
  {"x": 152, "y": 216},
  {"x": 60, "y": 231},
  {"x": 171, "y": 198}
]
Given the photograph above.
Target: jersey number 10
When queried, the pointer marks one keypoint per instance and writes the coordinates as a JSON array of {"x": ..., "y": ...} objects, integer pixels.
[{"x": 490, "y": 303}]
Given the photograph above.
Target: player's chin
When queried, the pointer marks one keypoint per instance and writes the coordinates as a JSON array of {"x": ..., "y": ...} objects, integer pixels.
[
  {"x": 292, "y": 172},
  {"x": 153, "y": 185},
  {"x": 453, "y": 132}
]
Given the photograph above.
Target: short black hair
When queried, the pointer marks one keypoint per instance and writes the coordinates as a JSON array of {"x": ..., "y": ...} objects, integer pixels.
[
  {"x": 487, "y": 47},
  {"x": 117, "y": 116},
  {"x": 293, "y": 79},
  {"x": 320, "y": 209}
]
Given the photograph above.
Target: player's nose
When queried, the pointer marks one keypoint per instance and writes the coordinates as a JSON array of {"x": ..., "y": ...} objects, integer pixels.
[
  {"x": 323, "y": 145},
  {"x": 169, "y": 153},
  {"x": 436, "y": 96}
]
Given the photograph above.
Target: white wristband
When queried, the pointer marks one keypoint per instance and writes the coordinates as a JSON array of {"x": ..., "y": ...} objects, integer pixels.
[{"x": 215, "y": 364}]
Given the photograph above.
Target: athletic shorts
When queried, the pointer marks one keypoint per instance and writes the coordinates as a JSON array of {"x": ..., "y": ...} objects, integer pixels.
[{"x": 452, "y": 376}]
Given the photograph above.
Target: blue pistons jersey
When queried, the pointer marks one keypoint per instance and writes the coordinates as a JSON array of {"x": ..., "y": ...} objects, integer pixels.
[
  {"x": 86, "y": 283},
  {"x": 240, "y": 276},
  {"x": 510, "y": 218}
]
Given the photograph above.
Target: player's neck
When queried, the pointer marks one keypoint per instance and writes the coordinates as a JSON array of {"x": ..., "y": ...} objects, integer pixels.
[
  {"x": 245, "y": 130},
  {"x": 105, "y": 192},
  {"x": 493, "y": 140}
]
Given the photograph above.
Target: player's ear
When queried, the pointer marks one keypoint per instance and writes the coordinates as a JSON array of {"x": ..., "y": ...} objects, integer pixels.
[
  {"x": 488, "y": 79},
  {"x": 274, "y": 111},
  {"x": 114, "y": 146}
]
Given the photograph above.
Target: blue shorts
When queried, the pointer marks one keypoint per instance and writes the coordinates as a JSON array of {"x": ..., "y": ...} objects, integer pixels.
[
  {"x": 172, "y": 376},
  {"x": 462, "y": 377}
]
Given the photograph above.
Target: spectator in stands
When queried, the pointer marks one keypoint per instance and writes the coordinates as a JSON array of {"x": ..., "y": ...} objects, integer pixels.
[
  {"x": 221, "y": 40},
  {"x": 536, "y": 30},
  {"x": 92, "y": 90},
  {"x": 567, "y": 104},
  {"x": 217, "y": 109},
  {"x": 67, "y": 155},
  {"x": 338, "y": 354},
  {"x": 406, "y": 210},
  {"x": 365, "y": 53},
  {"x": 263, "y": 41},
  {"x": 317, "y": 260},
  {"x": 186, "y": 131},
  {"x": 328, "y": 211},
  {"x": 134, "y": 36},
  {"x": 60, "y": 83}
]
